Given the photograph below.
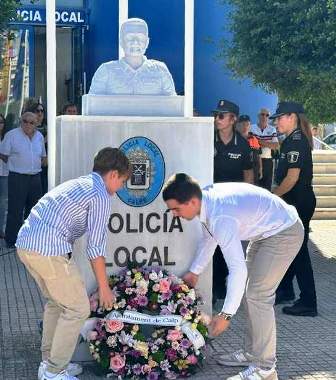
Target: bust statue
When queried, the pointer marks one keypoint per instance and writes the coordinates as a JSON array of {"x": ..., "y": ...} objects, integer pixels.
[{"x": 133, "y": 74}]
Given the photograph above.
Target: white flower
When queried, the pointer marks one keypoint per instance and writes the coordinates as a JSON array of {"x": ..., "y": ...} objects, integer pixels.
[
  {"x": 126, "y": 339},
  {"x": 192, "y": 294},
  {"x": 112, "y": 341},
  {"x": 153, "y": 276}
]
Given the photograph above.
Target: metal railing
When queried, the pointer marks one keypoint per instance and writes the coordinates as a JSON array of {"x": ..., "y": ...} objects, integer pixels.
[{"x": 323, "y": 145}]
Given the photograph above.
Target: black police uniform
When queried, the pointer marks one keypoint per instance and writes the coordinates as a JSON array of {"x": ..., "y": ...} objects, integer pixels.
[
  {"x": 230, "y": 161},
  {"x": 295, "y": 152}
]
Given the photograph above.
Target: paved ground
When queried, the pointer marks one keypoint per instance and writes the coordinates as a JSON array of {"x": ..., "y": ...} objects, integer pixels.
[{"x": 306, "y": 346}]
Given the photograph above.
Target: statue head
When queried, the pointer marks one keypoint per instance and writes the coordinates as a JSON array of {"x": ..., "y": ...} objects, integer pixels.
[{"x": 134, "y": 37}]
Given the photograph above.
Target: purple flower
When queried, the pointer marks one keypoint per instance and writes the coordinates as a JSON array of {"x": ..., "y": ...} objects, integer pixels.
[
  {"x": 142, "y": 300},
  {"x": 135, "y": 354},
  {"x": 184, "y": 311},
  {"x": 153, "y": 375},
  {"x": 171, "y": 354},
  {"x": 165, "y": 365},
  {"x": 137, "y": 369},
  {"x": 185, "y": 343},
  {"x": 167, "y": 296}
]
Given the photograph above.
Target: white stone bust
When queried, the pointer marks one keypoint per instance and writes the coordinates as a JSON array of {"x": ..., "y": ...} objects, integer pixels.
[{"x": 133, "y": 74}]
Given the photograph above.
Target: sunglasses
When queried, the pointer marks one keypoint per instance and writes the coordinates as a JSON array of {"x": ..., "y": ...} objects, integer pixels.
[
  {"x": 265, "y": 114},
  {"x": 220, "y": 115},
  {"x": 39, "y": 110}
]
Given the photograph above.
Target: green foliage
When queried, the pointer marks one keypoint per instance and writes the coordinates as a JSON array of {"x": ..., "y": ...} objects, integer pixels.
[
  {"x": 158, "y": 356},
  {"x": 7, "y": 11},
  {"x": 287, "y": 47}
]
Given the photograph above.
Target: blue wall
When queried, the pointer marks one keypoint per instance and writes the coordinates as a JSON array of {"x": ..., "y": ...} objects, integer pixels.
[{"x": 165, "y": 19}]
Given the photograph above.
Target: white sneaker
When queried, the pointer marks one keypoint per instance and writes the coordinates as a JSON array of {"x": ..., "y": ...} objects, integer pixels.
[
  {"x": 255, "y": 373},
  {"x": 235, "y": 359},
  {"x": 73, "y": 369},
  {"x": 60, "y": 376}
]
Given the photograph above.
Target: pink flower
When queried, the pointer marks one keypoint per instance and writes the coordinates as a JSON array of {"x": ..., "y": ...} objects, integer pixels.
[
  {"x": 113, "y": 325},
  {"x": 174, "y": 335},
  {"x": 164, "y": 285},
  {"x": 192, "y": 359},
  {"x": 92, "y": 335},
  {"x": 117, "y": 362}
]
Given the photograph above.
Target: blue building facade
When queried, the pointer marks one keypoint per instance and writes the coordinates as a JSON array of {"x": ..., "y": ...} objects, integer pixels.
[{"x": 87, "y": 35}]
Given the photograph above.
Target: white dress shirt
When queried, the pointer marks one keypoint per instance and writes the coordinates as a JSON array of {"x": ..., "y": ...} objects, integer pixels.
[
  {"x": 119, "y": 78},
  {"x": 232, "y": 212},
  {"x": 24, "y": 154},
  {"x": 268, "y": 134}
]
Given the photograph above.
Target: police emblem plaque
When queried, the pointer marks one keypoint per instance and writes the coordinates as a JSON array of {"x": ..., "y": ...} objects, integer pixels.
[{"x": 147, "y": 172}]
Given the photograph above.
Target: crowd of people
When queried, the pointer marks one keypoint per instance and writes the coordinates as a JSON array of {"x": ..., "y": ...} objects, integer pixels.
[{"x": 23, "y": 165}]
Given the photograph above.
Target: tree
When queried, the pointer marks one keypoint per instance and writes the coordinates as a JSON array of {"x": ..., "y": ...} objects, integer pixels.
[
  {"x": 7, "y": 11},
  {"x": 287, "y": 47}
]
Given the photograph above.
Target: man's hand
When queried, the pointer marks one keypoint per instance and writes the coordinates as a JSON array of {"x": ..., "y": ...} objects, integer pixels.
[
  {"x": 106, "y": 298},
  {"x": 218, "y": 325},
  {"x": 190, "y": 279}
]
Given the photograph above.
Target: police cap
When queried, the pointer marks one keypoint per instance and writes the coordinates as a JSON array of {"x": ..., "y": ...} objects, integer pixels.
[
  {"x": 225, "y": 106},
  {"x": 244, "y": 118},
  {"x": 287, "y": 107}
]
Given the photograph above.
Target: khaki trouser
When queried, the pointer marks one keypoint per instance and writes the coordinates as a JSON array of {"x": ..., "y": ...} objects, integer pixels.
[
  {"x": 267, "y": 262},
  {"x": 66, "y": 309}
]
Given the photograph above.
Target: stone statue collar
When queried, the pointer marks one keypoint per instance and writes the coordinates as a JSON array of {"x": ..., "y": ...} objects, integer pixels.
[{"x": 129, "y": 67}]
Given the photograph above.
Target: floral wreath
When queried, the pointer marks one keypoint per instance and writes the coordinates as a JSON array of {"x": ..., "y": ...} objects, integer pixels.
[{"x": 155, "y": 329}]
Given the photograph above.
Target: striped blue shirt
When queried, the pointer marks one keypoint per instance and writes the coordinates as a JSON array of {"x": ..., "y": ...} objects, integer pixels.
[{"x": 64, "y": 214}]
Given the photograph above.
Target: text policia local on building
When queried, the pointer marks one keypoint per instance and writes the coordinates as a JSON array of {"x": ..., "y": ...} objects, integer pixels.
[
  {"x": 143, "y": 223},
  {"x": 61, "y": 16}
]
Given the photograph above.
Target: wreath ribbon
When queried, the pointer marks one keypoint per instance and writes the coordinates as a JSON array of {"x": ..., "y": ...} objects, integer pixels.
[{"x": 135, "y": 317}]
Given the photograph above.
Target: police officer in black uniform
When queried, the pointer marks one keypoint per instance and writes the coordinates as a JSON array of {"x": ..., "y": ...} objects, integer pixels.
[
  {"x": 232, "y": 163},
  {"x": 294, "y": 178}
]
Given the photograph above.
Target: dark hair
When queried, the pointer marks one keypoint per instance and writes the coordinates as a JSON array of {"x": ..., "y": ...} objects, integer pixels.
[
  {"x": 182, "y": 188},
  {"x": 111, "y": 159},
  {"x": 66, "y": 106},
  {"x": 31, "y": 106},
  {"x": 304, "y": 124},
  {"x": 4, "y": 129}
]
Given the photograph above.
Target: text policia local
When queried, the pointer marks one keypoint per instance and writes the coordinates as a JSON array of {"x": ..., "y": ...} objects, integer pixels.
[{"x": 143, "y": 223}]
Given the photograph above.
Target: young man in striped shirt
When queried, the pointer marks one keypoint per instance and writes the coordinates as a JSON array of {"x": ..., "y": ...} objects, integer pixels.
[{"x": 44, "y": 245}]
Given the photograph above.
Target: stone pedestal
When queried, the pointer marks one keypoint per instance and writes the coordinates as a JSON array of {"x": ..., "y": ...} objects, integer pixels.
[
  {"x": 140, "y": 229},
  {"x": 135, "y": 105}
]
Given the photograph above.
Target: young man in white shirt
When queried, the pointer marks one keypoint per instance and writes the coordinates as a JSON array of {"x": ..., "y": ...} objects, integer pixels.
[{"x": 229, "y": 213}]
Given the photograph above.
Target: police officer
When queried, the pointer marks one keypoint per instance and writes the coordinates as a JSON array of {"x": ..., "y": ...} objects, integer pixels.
[
  {"x": 232, "y": 163},
  {"x": 294, "y": 178}
]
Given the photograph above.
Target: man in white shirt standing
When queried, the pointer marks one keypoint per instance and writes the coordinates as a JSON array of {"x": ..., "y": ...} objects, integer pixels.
[
  {"x": 229, "y": 213},
  {"x": 24, "y": 151},
  {"x": 268, "y": 140}
]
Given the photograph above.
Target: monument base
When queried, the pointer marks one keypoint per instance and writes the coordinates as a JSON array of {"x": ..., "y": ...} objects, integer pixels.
[{"x": 139, "y": 228}]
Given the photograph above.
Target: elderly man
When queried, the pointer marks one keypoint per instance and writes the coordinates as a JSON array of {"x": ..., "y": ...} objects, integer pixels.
[
  {"x": 134, "y": 74},
  {"x": 229, "y": 213},
  {"x": 24, "y": 150},
  {"x": 268, "y": 140}
]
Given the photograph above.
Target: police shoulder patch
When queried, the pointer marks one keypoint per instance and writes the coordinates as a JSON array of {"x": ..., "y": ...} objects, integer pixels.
[
  {"x": 293, "y": 156},
  {"x": 296, "y": 136}
]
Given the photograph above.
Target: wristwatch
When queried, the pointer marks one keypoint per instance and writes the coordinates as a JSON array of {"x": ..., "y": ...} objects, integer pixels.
[{"x": 226, "y": 316}]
